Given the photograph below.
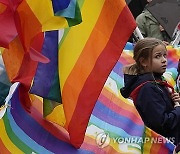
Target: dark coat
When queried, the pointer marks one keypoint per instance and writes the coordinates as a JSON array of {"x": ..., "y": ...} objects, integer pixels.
[{"x": 154, "y": 105}]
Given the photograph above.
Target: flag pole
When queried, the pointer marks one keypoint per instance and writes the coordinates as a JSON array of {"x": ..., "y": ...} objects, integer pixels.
[
  {"x": 176, "y": 35},
  {"x": 9, "y": 96},
  {"x": 138, "y": 32},
  {"x": 176, "y": 40}
]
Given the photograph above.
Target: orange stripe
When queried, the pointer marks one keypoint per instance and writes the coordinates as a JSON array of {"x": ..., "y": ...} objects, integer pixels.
[
  {"x": 96, "y": 43},
  {"x": 156, "y": 146},
  {"x": 90, "y": 144},
  {"x": 3, "y": 149},
  {"x": 127, "y": 58},
  {"x": 2, "y": 8},
  {"x": 96, "y": 79},
  {"x": 13, "y": 58},
  {"x": 27, "y": 29}
]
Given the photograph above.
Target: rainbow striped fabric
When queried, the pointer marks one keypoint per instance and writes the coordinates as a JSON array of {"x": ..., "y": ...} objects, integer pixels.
[
  {"x": 23, "y": 38},
  {"x": 22, "y": 35},
  {"x": 87, "y": 54},
  {"x": 42, "y": 15},
  {"x": 114, "y": 125}
]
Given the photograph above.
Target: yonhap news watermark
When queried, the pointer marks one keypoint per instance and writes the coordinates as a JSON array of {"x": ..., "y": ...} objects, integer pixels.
[{"x": 103, "y": 139}]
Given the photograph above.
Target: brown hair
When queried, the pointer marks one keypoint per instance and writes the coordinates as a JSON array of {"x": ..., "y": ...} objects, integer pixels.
[{"x": 142, "y": 49}]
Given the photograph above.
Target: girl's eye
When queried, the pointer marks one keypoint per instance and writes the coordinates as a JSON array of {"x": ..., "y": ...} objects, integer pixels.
[
  {"x": 165, "y": 55},
  {"x": 157, "y": 56}
]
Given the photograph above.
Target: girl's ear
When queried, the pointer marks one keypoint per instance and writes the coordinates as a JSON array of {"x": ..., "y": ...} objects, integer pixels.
[{"x": 143, "y": 62}]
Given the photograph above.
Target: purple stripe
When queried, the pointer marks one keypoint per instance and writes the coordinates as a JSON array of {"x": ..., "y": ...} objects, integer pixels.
[
  {"x": 115, "y": 119},
  {"x": 172, "y": 63},
  {"x": 35, "y": 131},
  {"x": 118, "y": 68},
  {"x": 45, "y": 73}
]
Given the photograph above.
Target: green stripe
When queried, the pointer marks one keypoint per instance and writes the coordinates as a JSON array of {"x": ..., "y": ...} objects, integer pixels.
[
  {"x": 66, "y": 31},
  {"x": 54, "y": 93},
  {"x": 81, "y": 2},
  {"x": 48, "y": 106},
  {"x": 144, "y": 136},
  {"x": 15, "y": 140},
  {"x": 77, "y": 19}
]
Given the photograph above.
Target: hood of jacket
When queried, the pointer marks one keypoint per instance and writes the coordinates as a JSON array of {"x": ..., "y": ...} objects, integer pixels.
[{"x": 133, "y": 81}]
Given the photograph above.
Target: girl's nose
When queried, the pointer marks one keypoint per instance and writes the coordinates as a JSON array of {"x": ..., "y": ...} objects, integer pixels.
[{"x": 164, "y": 59}]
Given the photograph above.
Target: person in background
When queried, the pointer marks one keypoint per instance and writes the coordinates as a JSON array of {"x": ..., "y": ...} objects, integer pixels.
[
  {"x": 156, "y": 101},
  {"x": 150, "y": 27}
]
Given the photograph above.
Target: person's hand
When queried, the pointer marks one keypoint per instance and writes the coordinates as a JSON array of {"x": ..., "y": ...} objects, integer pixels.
[
  {"x": 161, "y": 28},
  {"x": 176, "y": 99},
  {"x": 166, "y": 43}
]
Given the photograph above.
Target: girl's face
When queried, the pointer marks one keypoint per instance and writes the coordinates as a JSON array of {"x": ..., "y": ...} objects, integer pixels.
[{"x": 159, "y": 60}]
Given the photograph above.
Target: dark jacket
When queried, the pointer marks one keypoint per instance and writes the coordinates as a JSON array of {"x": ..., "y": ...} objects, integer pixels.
[{"x": 154, "y": 105}]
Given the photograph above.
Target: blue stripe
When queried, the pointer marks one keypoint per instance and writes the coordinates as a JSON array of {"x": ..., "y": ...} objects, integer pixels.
[
  {"x": 69, "y": 12},
  {"x": 118, "y": 68},
  {"x": 103, "y": 112},
  {"x": 37, "y": 132},
  {"x": 108, "y": 127},
  {"x": 118, "y": 79},
  {"x": 60, "y": 4},
  {"x": 24, "y": 137}
]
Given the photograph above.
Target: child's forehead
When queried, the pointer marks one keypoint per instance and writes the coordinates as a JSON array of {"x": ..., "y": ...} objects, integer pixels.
[{"x": 159, "y": 48}]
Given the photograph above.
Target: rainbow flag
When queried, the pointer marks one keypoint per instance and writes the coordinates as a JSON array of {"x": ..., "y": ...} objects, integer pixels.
[
  {"x": 86, "y": 61},
  {"x": 18, "y": 34},
  {"x": 114, "y": 124},
  {"x": 87, "y": 54},
  {"x": 24, "y": 44},
  {"x": 39, "y": 17}
]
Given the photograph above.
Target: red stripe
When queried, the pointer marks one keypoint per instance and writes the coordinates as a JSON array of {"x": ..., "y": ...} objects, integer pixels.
[
  {"x": 3, "y": 149},
  {"x": 54, "y": 129},
  {"x": 94, "y": 84},
  {"x": 130, "y": 114},
  {"x": 163, "y": 149},
  {"x": 27, "y": 72}
]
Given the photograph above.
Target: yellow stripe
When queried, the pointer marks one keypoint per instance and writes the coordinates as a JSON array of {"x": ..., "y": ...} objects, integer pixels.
[
  {"x": 147, "y": 145},
  {"x": 43, "y": 10},
  {"x": 57, "y": 115},
  {"x": 1, "y": 50},
  {"x": 69, "y": 50},
  {"x": 7, "y": 142}
]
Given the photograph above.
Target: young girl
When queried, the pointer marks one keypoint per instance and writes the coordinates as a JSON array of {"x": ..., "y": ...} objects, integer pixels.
[{"x": 158, "y": 107}]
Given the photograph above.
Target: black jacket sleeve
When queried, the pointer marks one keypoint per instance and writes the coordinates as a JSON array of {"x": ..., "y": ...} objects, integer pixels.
[{"x": 155, "y": 107}]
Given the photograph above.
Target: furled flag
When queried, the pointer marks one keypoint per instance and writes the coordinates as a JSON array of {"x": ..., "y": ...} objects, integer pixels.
[{"x": 87, "y": 54}]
